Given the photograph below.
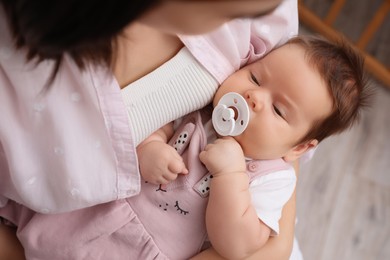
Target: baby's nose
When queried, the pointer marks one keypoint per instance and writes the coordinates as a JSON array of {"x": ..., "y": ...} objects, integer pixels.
[{"x": 255, "y": 100}]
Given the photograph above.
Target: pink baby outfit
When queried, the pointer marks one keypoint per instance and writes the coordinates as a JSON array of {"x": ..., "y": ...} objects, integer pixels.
[
  {"x": 174, "y": 214},
  {"x": 162, "y": 222}
]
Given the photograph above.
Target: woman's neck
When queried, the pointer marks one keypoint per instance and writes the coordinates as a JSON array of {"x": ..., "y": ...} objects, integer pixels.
[{"x": 140, "y": 50}]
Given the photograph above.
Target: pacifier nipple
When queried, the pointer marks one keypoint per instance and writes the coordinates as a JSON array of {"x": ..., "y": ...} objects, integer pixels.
[{"x": 231, "y": 115}]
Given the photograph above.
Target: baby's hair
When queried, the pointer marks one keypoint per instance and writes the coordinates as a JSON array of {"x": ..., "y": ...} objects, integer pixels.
[{"x": 341, "y": 67}]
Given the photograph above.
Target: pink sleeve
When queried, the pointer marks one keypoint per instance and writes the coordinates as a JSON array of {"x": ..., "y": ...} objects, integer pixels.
[
  {"x": 242, "y": 41},
  {"x": 67, "y": 148}
]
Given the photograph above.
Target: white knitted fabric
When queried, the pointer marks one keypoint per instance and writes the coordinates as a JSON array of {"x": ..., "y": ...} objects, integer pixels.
[{"x": 178, "y": 87}]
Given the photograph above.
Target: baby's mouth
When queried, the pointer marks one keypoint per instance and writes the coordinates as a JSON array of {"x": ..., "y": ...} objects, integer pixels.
[{"x": 231, "y": 115}]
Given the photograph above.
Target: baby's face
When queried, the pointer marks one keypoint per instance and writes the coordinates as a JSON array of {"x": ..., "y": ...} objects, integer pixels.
[{"x": 285, "y": 94}]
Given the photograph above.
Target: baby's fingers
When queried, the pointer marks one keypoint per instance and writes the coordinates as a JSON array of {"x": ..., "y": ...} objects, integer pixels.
[
  {"x": 203, "y": 156},
  {"x": 177, "y": 167}
]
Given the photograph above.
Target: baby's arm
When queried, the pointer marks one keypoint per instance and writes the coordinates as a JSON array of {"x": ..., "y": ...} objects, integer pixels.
[
  {"x": 277, "y": 247},
  {"x": 159, "y": 162},
  {"x": 233, "y": 226}
]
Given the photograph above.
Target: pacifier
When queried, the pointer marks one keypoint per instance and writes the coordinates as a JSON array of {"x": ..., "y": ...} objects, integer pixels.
[{"x": 231, "y": 115}]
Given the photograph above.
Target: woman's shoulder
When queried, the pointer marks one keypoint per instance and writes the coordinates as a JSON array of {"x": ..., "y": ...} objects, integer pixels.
[{"x": 241, "y": 41}]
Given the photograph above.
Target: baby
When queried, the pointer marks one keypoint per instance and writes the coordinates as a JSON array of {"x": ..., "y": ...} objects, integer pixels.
[{"x": 277, "y": 108}]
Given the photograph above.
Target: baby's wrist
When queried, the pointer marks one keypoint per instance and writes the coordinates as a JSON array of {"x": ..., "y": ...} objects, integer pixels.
[
  {"x": 232, "y": 181},
  {"x": 228, "y": 174}
]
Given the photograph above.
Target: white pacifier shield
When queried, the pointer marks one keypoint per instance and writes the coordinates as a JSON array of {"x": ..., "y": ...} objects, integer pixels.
[{"x": 231, "y": 115}]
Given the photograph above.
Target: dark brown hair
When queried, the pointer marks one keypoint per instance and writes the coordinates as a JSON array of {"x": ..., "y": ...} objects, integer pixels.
[
  {"x": 341, "y": 66},
  {"x": 85, "y": 29}
]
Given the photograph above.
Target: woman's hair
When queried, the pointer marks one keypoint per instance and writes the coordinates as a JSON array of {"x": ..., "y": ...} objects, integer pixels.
[
  {"x": 85, "y": 29},
  {"x": 341, "y": 67}
]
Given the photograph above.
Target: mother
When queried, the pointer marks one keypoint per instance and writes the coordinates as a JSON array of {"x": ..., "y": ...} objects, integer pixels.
[{"x": 67, "y": 139}]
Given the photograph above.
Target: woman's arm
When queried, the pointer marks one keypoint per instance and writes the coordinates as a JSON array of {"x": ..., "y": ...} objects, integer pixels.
[{"x": 10, "y": 246}]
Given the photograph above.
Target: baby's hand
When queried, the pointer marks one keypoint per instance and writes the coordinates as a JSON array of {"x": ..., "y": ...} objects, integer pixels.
[
  {"x": 160, "y": 163},
  {"x": 223, "y": 156}
]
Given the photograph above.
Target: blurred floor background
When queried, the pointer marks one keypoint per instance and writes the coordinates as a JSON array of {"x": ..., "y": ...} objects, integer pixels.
[{"x": 343, "y": 193}]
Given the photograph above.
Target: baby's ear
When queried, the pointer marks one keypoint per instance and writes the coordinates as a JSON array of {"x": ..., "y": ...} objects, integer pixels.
[{"x": 296, "y": 152}]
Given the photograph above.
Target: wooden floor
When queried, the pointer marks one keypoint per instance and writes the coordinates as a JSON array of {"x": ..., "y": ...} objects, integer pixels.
[{"x": 343, "y": 201}]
